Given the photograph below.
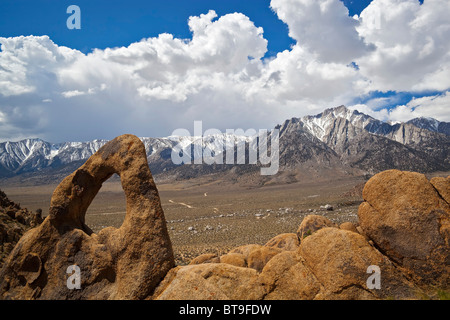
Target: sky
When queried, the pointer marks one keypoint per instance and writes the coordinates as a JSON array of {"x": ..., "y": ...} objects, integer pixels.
[{"x": 151, "y": 67}]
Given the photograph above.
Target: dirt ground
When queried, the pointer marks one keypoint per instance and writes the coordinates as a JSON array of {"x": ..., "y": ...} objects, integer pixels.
[
  {"x": 207, "y": 215},
  {"x": 216, "y": 216}
]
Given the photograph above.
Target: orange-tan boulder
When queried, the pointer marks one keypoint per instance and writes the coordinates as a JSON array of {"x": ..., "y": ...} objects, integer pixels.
[
  {"x": 210, "y": 281},
  {"x": 258, "y": 258},
  {"x": 235, "y": 259},
  {"x": 348, "y": 226},
  {"x": 246, "y": 249},
  {"x": 311, "y": 223},
  {"x": 286, "y": 277},
  {"x": 205, "y": 258},
  {"x": 284, "y": 241},
  {"x": 340, "y": 260},
  {"x": 408, "y": 218}
]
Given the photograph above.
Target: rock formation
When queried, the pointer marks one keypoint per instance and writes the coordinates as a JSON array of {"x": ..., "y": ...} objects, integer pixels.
[
  {"x": 124, "y": 263},
  {"x": 284, "y": 241},
  {"x": 311, "y": 224},
  {"x": 399, "y": 249},
  {"x": 14, "y": 221},
  {"x": 408, "y": 219},
  {"x": 330, "y": 264},
  {"x": 339, "y": 259},
  {"x": 402, "y": 238}
]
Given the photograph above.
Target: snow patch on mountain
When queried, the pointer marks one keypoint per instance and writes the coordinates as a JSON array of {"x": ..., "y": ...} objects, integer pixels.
[{"x": 35, "y": 154}]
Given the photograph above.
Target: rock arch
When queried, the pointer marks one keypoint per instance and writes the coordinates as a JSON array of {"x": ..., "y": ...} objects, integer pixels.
[{"x": 115, "y": 263}]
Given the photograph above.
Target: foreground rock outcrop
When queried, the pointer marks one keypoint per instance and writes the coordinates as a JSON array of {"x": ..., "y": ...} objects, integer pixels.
[
  {"x": 14, "y": 222},
  {"x": 399, "y": 249},
  {"x": 408, "y": 219},
  {"x": 124, "y": 263},
  {"x": 330, "y": 264}
]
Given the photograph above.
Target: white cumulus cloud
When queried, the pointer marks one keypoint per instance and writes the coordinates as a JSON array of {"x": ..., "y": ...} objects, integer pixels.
[
  {"x": 323, "y": 27},
  {"x": 436, "y": 106},
  {"x": 412, "y": 48},
  {"x": 220, "y": 75}
]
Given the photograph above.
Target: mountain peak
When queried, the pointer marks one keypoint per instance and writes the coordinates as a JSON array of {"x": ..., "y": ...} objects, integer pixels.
[
  {"x": 319, "y": 124},
  {"x": 425, "y": 123},
  {"x": 336, "y": 135},
  {"x": 340, "y": 110}
]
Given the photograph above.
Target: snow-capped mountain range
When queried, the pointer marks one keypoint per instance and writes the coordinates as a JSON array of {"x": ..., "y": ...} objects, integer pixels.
[
  {"x": 35, "y": 154},
  {"x": 337, "y": 137},
  {"x": 357, "y": 140},
  {"x": 318, "y": 124}
]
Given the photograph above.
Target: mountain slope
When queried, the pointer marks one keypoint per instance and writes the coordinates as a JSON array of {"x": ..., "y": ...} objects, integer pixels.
[
  {"x": 431, "y": 125},
  {"x": 373, "y": 145},
  {"x": 338, "y": 140}
]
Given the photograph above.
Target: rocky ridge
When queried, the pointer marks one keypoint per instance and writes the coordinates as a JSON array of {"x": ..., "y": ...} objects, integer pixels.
[
  {"x": 14, "y": 221},
  {"x": 360, "y": 141}
]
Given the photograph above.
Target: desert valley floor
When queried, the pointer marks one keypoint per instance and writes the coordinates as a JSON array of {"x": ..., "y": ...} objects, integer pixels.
[{"x": 211, "y": 216}]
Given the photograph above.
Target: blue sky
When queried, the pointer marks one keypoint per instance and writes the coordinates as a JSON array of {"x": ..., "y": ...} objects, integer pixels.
[
  {"x": 107, "y": 23},
  {"x": 232, "y": 64},
  {"x": 112, "y": 23}
]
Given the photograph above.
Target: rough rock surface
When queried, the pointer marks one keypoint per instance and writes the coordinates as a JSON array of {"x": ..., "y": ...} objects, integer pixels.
[
  {"x": 340, "y": 258},
  {"x": 284, "y": 241},
  {"x": 14, "y": 221},
  {"x": 311, "y": 224},
  {"x": 286, "y": 277},
  {"x": 205, "y": 258},
  {"x": 210, "y": 281},
  {"x": 258, "y": 258},
  {"x": 246, "y": 249},
  {"x": 348, "y": 226},
  {"x": 408, "y": 218},
  {"x": 124, "y": 263},
  {"x": 442, "y": 186},
  {"x": 234, "y": 258}
]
